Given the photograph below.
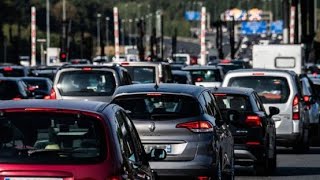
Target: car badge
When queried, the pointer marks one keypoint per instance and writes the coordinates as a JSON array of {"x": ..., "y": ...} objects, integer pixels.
[{"x": 152, "y": 127}]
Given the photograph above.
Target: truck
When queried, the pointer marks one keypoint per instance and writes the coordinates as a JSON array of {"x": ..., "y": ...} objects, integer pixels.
[{"x": 279, "y": 56}]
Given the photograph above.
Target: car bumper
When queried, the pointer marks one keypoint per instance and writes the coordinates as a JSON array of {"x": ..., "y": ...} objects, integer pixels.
[
  {"x": 200, "y": 166},
  {"x": 245, "y": 155}
]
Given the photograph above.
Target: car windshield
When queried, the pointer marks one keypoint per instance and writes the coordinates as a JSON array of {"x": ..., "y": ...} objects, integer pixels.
[
  {"x": 233, "y": 102},
  {"x": 12, "y": 72},
  {"x": 86, "y": 83},
  {"x": 206, "y": 75},
  {"x": 50, "y": 138},
  {"x": 271, "y": 89},
  {"x": 141, "y": 74},
  {"x": 159, "y": 106},
  {"x": 10, "y": 90},
  {"x": 39, "y": 84}
]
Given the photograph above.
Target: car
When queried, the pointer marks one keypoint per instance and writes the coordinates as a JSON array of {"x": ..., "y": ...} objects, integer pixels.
[
  {"x": 149, "y": 72},
  {"x": 207, "y": 76},
  {"x": 14, "y": 71},
  {"x": 183, "y": 58},
  {"x": 14, "y": 89},
  {"x": 181, "y": 77},
  {"x": 80, "y": 61},
  {"x": 62, "y": 139},
  {"x": 186, "y": 122},
  {"x": 252, "y": 128},
  {"x": 41, "y": 87},
  {"x": 89, "y": 82},
  {"x": 281, "y": 89},
  {"x": 44, "y": 71}
]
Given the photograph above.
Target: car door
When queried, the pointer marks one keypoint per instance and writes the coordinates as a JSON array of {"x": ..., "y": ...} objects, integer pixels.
[{"x": 135, "y": 152}]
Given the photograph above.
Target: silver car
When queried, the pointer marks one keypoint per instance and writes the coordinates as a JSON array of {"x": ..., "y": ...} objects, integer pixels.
[
  {"x": 89, "y": 82},
  {"x": 185, "y": 121},
  {"x": 281, "y": 89}
]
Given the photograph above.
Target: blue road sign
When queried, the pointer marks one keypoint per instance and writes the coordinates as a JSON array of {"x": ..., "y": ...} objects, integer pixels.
[
  {"x": 192, "y": 15},
  {"x": 276, "y": 27},
  {"x": 254, "y": 27}
]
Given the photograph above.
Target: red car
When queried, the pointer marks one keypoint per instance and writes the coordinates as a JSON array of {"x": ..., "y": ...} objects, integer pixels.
[{"x": 70, "y": 140}]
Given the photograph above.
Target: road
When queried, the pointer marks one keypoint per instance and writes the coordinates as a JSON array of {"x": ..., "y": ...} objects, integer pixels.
[{"x": 290, "y": 166}]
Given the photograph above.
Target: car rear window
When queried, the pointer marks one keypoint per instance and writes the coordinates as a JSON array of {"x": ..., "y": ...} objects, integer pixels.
[
  {"x": 39, "y": 84},
  {"x": 9, "y": 90},
  {"x": 51, "y": 138},
  {"x": 233, "y": 102},
  {"x": 142, "y": 74},
  {"x": 206, "y": 75},
  {"x": 12, "y": 72},
  {"x": 271, "y": 89},
  {"x": 180, "y": 59},
  {"x": 159, "y": 106},
  {"x": 86, "y": 83}
]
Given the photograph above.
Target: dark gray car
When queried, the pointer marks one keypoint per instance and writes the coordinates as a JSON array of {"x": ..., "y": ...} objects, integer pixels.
[{"x": 185, "y": 121}]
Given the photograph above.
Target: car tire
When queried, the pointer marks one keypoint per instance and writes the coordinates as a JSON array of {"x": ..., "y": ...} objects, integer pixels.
[
  {"x": 217, "y": 175},
  {"x": 302, "y": 145},
  {"x": 230, "y": 174}
]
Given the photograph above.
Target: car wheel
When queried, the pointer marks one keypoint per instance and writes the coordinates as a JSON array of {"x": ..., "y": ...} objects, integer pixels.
[
  {"x": 302, "y": 145},
  {"x": 217, "y": 171}
]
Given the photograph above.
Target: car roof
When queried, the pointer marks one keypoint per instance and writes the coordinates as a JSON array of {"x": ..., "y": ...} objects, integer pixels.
[
  {"x": 34, "y": 78},
  {"x": 111, "y": 66},
  {"x": 262, "y": 70},
  {"x": 191, "y": 90},
  {"x": 200, "y": 67},
  {"x": 144, "y": 63},
  {"x": 10, "y": 78},
  {"x": 55, "y": 104},
  {"x": 179, "y": 72},
  {"x": 13, "y": 66},
  {"x": 232, "y": 90}
]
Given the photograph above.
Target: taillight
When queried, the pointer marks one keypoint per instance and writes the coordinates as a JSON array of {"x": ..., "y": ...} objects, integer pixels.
[
  {"x": 52, "y": 95},
  {"x": 253, "y": 121},
  {"x": 114, "y": 178},
  {"x": 17, "y": 98},
  {"x": 295, "y": 108},
  {"x": 253, "y": 143},
  {"x": 197, "y": 126}
]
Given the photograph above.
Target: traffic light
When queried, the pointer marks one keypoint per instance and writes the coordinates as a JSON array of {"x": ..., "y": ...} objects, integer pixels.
[{"x": 63, "y": 56}]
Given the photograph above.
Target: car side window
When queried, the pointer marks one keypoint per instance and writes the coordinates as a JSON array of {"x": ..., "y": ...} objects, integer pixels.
[
  {"x": 209, "y": 104},
  {"x": 127, "y": 78},
  {"x": 203, "y": 104},
  {"x": 258, "y": 102},
  {"x": 126, "y": 142}
]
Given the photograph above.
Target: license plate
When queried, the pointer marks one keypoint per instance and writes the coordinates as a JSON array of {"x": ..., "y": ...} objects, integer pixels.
[
  {"x": 166, "y": 147},
  {"x": 30, "y": 178}
]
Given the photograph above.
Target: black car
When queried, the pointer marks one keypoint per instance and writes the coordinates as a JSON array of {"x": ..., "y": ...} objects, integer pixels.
[
  {"x": 14, "y": 89},
  {"x": 252, "y": 128},
  {"x": 58, "y": 139},
  {"x": 41, "y": 87},
  {"x": 44, "y": 71},
  {"x": 186, "y": 122}
]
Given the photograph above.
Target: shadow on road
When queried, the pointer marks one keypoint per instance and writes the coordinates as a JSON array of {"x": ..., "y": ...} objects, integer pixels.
[
  {"x": 282, "y": 171},
  {"x": 313, "y": 150}
]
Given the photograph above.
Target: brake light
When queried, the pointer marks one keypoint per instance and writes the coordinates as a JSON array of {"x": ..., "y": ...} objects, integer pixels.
[
  {"x": 86, "y": 69},
  {"x": 203, "y": 178},
  {"x": 219, "y": 94},
  {"x": 52, "y": 95},
  {"x": 197, "y": 126},
  {"x": 258, "y": 74},
  {"x": 154, "y": 94},
  {"x": 124, "y": 63},
  {"x": 199, "y": 79},
  {"x": 253, "y": 121},
  {"x": 306, "y": 99},
  {"x": 7, "y": 69},
  {"x": 253, "y": 143},
  {"x": 114, "y": 178},
  {"x": 17, "y": 98},
  {"x": 295, "y": 108}
]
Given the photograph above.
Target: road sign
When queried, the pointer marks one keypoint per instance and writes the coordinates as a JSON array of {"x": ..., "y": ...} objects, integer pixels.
[
  {"x": 192, "y": 15},
  {"x": 254, "y": 27},
  {"x": 276, "y": 27}
]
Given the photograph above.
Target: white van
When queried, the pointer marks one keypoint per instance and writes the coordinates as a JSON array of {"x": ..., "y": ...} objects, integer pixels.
[{"x": 278, "y": 56}]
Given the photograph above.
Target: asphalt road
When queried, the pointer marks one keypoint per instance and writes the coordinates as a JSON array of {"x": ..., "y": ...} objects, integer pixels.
[{"x": 290, "y": 166}]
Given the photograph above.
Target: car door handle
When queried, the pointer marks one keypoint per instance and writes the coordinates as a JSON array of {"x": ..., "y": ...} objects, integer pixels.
[{"x": 276, "y": 119}]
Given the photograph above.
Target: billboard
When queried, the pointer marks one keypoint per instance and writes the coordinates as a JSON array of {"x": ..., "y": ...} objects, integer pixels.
[
  {"x": 253, "y": 27},
  {"x": 255, "y": 14},
  {"x": 237, "y": 14},
  {"x": 192, "y": 15},
  {"x": 276, "y": 27}
]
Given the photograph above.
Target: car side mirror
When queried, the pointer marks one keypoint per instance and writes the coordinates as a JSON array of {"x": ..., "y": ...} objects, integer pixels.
[
  {"x": 273, "y": 111},
  {"x": 157, "y": 154}
]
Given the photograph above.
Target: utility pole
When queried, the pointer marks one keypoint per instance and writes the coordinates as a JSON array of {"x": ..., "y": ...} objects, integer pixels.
[
  {"x": 64, "y": 28},
  {"x": 98, "y": 31},
  {"x": 232, "y": 41},
  {"x": 48, "y": 23},
  {"x": 107, "y": 31},
  {"x": 286, "y": 11}
]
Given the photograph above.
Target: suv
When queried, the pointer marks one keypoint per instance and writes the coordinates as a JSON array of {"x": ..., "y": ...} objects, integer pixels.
[
  {"x": 14, "y": 71},
  {"x": 252, "y": 128},
  {"x": 89, "y": 82},
  {"x": 149, "y": 72},
  {"x": 281, "y": 89},
  {"x": 14, "y": 89},
  {"x": 207, "y": 76},
  {"x": 185, "y": 121},
  {"x": 71, "y": 140}
]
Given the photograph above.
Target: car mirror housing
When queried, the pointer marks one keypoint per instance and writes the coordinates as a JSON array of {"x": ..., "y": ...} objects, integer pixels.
[
  {"x": 273, "y": 111},
  {"x": 157, "y": 154}
]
